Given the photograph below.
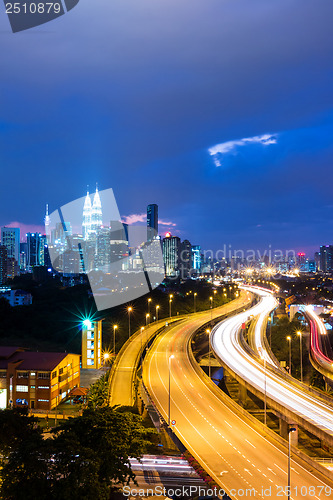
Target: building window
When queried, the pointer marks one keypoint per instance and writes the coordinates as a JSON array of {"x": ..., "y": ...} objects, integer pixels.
[
  {"x": 44, "y": 400},
  {"x": 32, "y": 374},
  {"x": 21, "y": 388},
  {"x": 3, "y": 374},
  {"x": 22, "y": 374},
  {"x": 43, "y": 387},
  {"x": 54, "y": 374},
  {"x": 61, "y": 371},
  {"x": 32, "y": 387},
  {"x": 43, "y": 375}
]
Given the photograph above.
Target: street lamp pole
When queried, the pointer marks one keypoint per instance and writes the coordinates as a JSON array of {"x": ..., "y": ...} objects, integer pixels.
[
  {"x": 129, "y": 310},
  {"x": 211, "y": 311},
  {"x": 292, "y": 429},
  {"x": 147, "y": 318},
  {"x": 169, "y": 406},
  {"x": 114, "y": 339},
  {"x": 289, "y": 340},
  {"x": 157, "y": 308},
  {"x": 170, "y": 302},
  {"x": 194, "y": 302},
  {"x": 301, "y": 353},
  {"x": 149, "y": 301},
  {"x": 209, "y": 366}
]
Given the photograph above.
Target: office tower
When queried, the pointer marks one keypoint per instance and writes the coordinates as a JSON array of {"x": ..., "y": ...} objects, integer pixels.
[
  {"x": 3, "y": 264},
  {"x": 96, "y": 214},
  {"x": 103, "y": 254},
  {"x": 196, "y": 258},
  {"x": 152, "y": 221},
  {"x": 35, "y": 250},
  {"x": 185, "y": 259},
  {"x": 326, "y": 258},
  {"x": 171, "y": 251},
  {"x": 10, "y": 238},
  {"x": 86, "y": 224}
]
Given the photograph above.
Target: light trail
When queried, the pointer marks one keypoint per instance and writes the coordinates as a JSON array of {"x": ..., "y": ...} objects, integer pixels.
[{"x": 226, "y": 343}]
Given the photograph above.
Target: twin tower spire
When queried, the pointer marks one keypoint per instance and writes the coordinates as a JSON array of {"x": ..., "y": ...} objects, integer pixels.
[{"x": 92, "y": 216}]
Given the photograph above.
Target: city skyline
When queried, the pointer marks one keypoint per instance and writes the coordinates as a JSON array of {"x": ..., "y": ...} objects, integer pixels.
[{"x": 264, "y": 101}]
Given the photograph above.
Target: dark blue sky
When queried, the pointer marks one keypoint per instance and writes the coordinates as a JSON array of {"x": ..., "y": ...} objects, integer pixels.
[{"x": 132, "y": 94}]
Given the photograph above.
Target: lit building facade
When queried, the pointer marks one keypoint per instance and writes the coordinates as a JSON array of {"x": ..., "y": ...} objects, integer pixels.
[
  {"x": 91, "y": 344},
  {"x": 152, "y": 221},
  {"x": 171, "y": 254},
  {"x": 38, "y": 380}
]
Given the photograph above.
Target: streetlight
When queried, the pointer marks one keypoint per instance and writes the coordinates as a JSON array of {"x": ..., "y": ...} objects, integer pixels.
[
  {"x": 147, "y": 318},
  {"x": 211, "y": 310},
  {"x": 301, "y": 353},
  {"x": 209, "y": 367},
  {"x": 170, "y": 302},
  {"x": 170, "y": 358},
  {"x": 114, "y": 339},
  {"x": 149, "y": 301},
  {"x": 265, "y": 399},
  {"x": 194, "y": 302},
  {"x": 142, "y": 328},
  {"x": 289, "y": 340},
  {"x": 129, "y": 310},
  {"x": 292, "y": 429},
  {"x": 270, "y": 331},
  {"x": 157, "y": 308}
]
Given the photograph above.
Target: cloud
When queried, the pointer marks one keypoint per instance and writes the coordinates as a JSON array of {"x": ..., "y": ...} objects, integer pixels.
[
  {"x": 134, "y": 218},
  {"x": 27, "y": 228},
  {"x": 227, "y": 147}
]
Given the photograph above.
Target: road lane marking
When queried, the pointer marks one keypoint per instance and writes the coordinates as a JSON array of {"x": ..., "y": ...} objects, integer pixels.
[
  {"x": 228, "y": 424},
  {"x": 211, "y": 408},
  {"x": 250, "y": 443},
  {"x": 280, "y": 469}
]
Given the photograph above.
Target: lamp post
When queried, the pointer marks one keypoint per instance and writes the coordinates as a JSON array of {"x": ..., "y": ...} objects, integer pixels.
[
  {"x": 169, "y": 406},
  {"x": 129, "y": 310},
  {"x": 170, "y": 302},
  {"x": 292, "y": 429},
  {"x": 289, "y": 340},
  {"x": 301, "y": 353},
  {"x": 149, "y": 301},
  {"x": 194, "y": 302},
  {"x": 147, "y": 319},
  {"x": 270, "y": 331},
  {"x": 157, "y": 308},
  {"x": 211, "y": 310},
  {"x": 114, "y": 339},
  {"x": 209, "y": 366}
]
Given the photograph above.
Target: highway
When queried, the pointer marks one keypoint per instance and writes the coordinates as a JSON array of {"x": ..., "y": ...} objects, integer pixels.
[
  {"x": 318, "y": 335},
  {"x": 282, "y": 393},
  {"x": 123, "y": 373},
  {"x": 241, "y": 461}
]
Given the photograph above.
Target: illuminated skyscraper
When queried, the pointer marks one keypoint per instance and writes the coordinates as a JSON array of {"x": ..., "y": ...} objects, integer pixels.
[
  {"x": 171, "y": 254},
  {"x": 3, "y": 264},
  {"x": 96, "y": 214},
  {"x": 152, "y": 221},
  {"x": 86, "y": 224},
  {"x": 10, "y": 238}
]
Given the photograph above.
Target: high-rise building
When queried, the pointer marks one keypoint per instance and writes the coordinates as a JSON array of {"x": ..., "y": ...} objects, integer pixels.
[
  {"x": 152, "y": 221},
  {"x": 196, "y": 258},
  {"x": 96, "y": 214},
  {"x": 326, "y": 258},
  {"x": 3, "y": 264},
  {"x": 35, "y": 250},
  {"x": 185, "y": 259},
  {"x": 171, "y": 254},
  {"x": 86, "y": 224},
  {"x": 10, "y": 238}
]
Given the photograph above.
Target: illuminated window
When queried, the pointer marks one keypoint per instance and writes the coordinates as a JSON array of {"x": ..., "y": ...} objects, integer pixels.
[
  {"x": 44, "y": 400},
  {"x": 44, "y": 375},
  {"x": 21, "y": 388},
  {"x": 22, "y": 374},
  {"x": 32, "y": 387},
  {"x": 43, "y": 387}
]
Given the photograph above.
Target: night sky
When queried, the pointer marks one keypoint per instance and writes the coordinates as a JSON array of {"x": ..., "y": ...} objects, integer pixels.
[{"x": 137, "y": 94}]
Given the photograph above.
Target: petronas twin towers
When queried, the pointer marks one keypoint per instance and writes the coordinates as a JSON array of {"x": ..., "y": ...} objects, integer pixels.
[{"x": 92, "y": 216}]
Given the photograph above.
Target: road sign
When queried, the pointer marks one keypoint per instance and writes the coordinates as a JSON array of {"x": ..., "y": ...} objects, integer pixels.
[{"x": 173, "y": 422}]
